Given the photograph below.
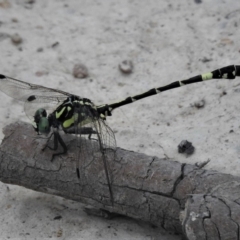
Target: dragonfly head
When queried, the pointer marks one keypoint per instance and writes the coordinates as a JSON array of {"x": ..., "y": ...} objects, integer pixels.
[{"x": 42, "y": 122}]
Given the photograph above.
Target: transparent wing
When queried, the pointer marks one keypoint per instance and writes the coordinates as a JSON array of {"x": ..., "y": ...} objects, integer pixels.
[
  {"x": 107, "y": 147},
  {"x": 95, "y": 147},
  {"x": 47, "y": 102},
  {"x": 21, "y": 90},
  {"x": 34, "y": 96}
]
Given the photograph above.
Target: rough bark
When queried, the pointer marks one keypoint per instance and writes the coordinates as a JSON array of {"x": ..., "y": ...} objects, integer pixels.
[{"x": 178, "y": 197}]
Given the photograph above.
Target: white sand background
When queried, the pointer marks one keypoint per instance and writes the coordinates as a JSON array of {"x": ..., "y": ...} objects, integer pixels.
[{"x": 167, "y": 40}]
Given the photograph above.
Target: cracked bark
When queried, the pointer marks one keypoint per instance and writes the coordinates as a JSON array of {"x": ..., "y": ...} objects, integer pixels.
[{"x": 181, "y": 198}]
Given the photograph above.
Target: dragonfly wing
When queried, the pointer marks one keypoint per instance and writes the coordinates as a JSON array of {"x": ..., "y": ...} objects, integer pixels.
[
  {"x": 107, "y": 135},
  {"x": 21, "y": 90},
  {"x": 35, "y": 96},
  {"x": 93, "y": 147},
  {"x": 107, "y": 147},
  {"x": 49, "y": 103}
]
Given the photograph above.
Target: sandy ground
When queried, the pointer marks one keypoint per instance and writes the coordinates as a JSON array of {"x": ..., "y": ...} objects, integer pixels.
[{"x": 166, "y": 41}]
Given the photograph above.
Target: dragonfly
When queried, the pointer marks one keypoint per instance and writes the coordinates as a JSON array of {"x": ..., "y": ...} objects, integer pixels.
[{"x": 53, "y": 110}]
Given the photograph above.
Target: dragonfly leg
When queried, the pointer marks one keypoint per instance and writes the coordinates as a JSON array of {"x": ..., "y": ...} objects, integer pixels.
[
  {"x": 46, "y": 145},
  {"x": 90, "y": 137},
  {"x": 82, "y": 131},
  {"x": 58, "y": 139}
]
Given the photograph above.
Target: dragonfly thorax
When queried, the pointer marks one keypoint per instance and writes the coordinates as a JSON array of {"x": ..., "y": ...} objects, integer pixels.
[
  {"x": 75, "y": 111},
  {"x": 71, "y": 112}
]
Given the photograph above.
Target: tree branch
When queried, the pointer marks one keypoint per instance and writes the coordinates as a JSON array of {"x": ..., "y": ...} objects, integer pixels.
[{"x": 181, "y": 198}]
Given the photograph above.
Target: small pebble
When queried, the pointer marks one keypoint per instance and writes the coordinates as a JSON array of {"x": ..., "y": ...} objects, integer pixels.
[
  {"x": 5, "y": 4},
  {"x": 200, "y": 104},
  {"x": 40, "y": 49},
  {"x": 15, "y": 20},
  {"x": 59, "y": 233},
  {"x": 41, "y": 73},
  {"x": 205, "y": 59},
  {"x": 223, "y": 93},
  {"x": 29, "y": 1},
  {"x": 126, "y": 66},
  {"x": 55, "y": 44},
  {"x": 16, "y": 39},
  {"x": 57, "y": 217},
  {"x": 80, "y": 71},
  {"x": 186, "y": 147}
]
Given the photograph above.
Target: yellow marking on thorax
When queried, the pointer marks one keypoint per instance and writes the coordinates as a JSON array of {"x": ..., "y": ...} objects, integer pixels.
[
  {"x": 70, "y": 122},
  {"x": 58, "y": 114}
]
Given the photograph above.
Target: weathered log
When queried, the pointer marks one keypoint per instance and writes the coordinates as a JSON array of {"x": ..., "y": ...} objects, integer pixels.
[{"x": 179, "y": 197}]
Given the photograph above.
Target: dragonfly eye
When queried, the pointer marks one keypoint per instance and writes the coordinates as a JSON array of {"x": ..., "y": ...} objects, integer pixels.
[
  {"x": 43, "y": 125},
  {"x": 41, "y": 120}
]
